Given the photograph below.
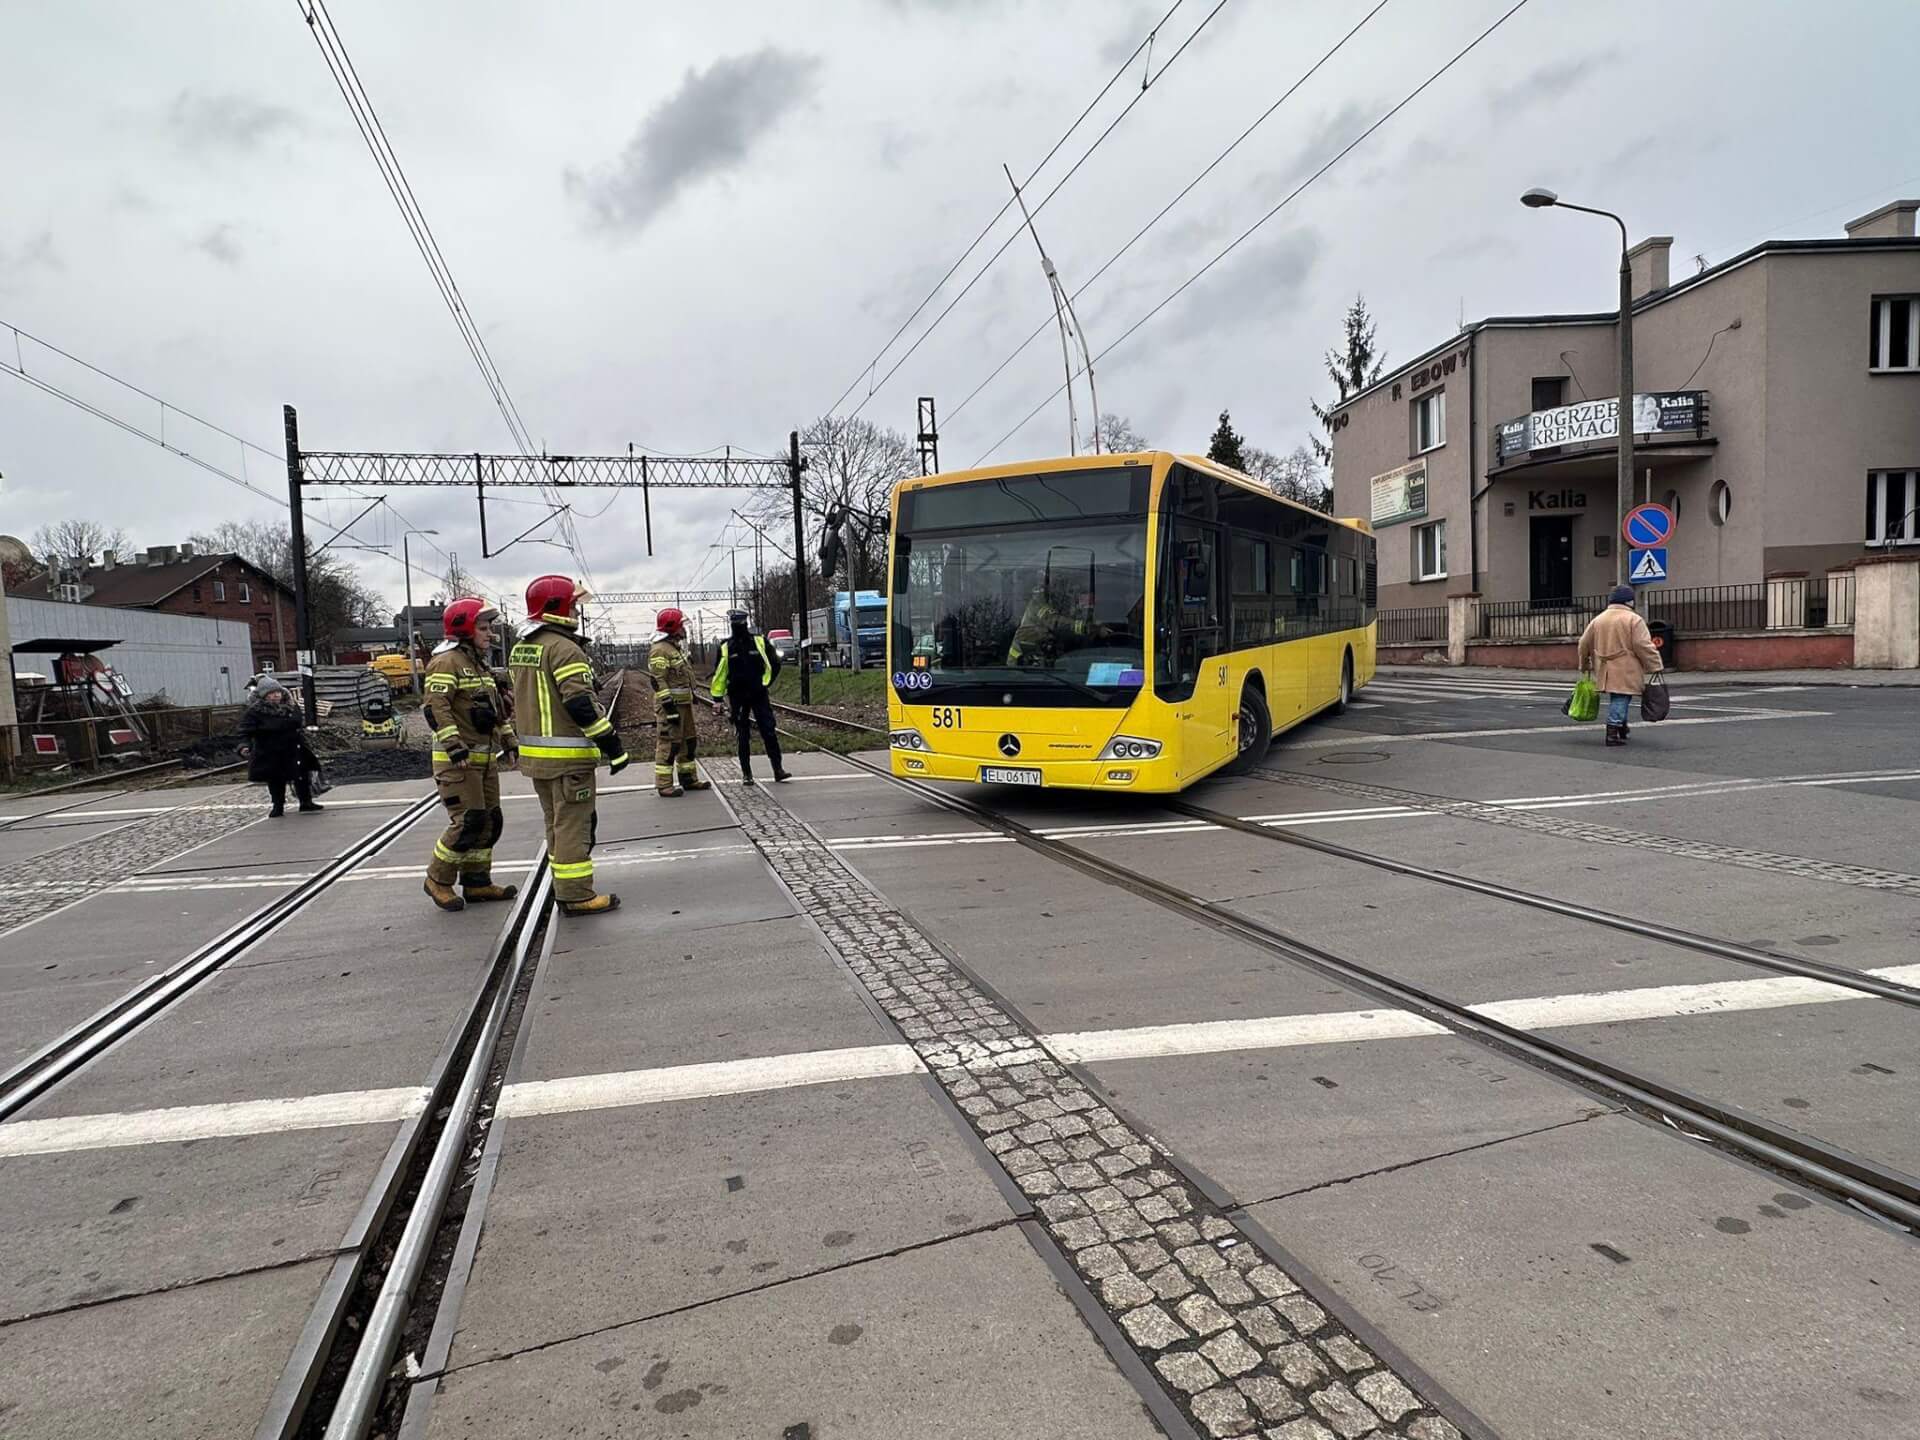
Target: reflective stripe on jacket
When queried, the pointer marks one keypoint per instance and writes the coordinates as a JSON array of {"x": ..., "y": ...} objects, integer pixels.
[
  {"x": 670, "y": 671},
  {"x": 459, "y": 692},
  {"x": 549, "y": 668},
  {"x": 723, "y": 677}
]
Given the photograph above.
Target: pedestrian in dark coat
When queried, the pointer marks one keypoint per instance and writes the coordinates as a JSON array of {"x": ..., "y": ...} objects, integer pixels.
[{"x": 277, "y": 753}]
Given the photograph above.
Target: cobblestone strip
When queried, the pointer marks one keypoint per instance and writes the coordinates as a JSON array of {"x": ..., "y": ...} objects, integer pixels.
[
  {"x": 45, "y": 883},
  {"x": 1233, "y": 1338},
  {"x": 1801, "y": 866}
]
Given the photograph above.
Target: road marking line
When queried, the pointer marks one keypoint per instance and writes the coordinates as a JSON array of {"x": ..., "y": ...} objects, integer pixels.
[
  {"x": 1569, "y": 727},
  {"x": 699, "y": 1082},
  {"x": 208, "y": 1122},
  {"x": 577, "y": 1093},
  {"x": 1213, "y": 1037}
]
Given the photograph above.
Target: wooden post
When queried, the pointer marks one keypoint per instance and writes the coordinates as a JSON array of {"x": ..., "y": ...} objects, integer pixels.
[{"x": 93, "y": 745}]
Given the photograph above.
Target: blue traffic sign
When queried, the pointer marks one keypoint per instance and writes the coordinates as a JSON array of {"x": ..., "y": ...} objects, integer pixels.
[
  {"x": 1647, "y": 526},
  {"x": 1647, "y": 566}
]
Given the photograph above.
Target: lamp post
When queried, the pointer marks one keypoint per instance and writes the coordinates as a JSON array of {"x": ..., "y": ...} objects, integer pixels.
[
  {"x": 413, "y": 647},
  {"x": 1538, "y": 199}
]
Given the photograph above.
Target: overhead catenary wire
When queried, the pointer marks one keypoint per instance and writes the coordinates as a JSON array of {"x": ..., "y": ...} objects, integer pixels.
[
  {"x": 1006, "y": 205},
  {"x": 1058, "y": 185},
  {"x": 1165, "y": 209},
  {"x": 1291, "y": 196}
]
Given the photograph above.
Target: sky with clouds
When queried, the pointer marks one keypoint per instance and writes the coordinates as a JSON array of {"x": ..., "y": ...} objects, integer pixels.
[{"x": 685, "y": 227}]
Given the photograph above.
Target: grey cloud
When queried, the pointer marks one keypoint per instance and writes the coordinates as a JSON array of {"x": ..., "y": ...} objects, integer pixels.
[
  {"x": 35, "y": 253},
  {"x": 1127, "y": 38},
  {"x": 220, "y": 242},
  {"x": 228, "y": 122},
  {"x": 1252, "y": 287},
  {"x": 707, "y": 127},
  {"x": 1548, "y": 82}
]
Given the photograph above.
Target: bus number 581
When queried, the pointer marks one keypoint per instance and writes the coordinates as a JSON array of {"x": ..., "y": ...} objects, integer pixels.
[{"x": 946, "y": 717}]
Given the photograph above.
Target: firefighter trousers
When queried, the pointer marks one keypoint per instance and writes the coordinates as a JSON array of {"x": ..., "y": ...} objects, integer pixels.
[
  {"x": 675, "y": 746},
  {"x": 464, "y": 850},
  {"x": 567, "y": 802}
]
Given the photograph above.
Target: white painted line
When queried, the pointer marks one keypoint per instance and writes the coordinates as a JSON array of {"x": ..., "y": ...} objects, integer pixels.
[
  {"x": 577, "y": 1093},
  {"x": 1213, "y": 1037},
  {"x": 699, "y": 1082},
  {"x": 1569, "y": 727},
  {"x": 208, "y": 1122}
]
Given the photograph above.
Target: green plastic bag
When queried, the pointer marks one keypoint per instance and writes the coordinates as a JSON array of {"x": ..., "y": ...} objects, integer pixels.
[{"x": 1584, "y": 703}]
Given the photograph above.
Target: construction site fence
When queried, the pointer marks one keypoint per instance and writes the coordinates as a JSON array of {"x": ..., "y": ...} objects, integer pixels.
[{"x": 88, "y": 744}]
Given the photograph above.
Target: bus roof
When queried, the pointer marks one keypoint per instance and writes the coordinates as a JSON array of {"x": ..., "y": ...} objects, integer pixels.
[{"x": 1136, "y": 457}]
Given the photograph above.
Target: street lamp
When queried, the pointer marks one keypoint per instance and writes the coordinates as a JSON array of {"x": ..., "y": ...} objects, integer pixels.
[
  {"x": 1538, "y": 199},
  {"x": 413, "y": 647}
]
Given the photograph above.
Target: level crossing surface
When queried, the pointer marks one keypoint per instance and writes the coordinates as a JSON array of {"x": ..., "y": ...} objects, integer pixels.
[{"x": 746, "y": 1172}]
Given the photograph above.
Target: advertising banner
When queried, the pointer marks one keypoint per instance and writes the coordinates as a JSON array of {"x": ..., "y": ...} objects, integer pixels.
[
  {"x": 1656, "y": 413},
  {"x": 1399, "y": 494}
]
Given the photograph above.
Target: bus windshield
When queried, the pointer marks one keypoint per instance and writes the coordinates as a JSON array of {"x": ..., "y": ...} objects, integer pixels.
[{"x": 1054, "y": 608}]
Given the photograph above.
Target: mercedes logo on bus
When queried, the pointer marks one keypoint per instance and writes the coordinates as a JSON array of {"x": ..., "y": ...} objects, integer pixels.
[{"x": 1009, "y": 745}]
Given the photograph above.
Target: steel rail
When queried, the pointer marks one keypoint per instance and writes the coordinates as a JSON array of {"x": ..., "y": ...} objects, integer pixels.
[
  {"x": 1883, "y": 1191},
  {"x": 1645, "y": 929},
  {"x": 94, "y": 1036},
  {"x": 366, "y": 1381},
  {"x": 9, "y": 821},
  {"x": 822, "y": 719}
]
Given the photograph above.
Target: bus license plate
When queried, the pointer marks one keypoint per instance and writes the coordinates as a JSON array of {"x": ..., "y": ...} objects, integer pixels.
[{"x": 1001, "y": 775}]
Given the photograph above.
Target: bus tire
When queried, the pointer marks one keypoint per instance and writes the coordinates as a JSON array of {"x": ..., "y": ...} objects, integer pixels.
[
  {"x": 1346, "y": 686},
  {"x": 1255, "y": 731}
]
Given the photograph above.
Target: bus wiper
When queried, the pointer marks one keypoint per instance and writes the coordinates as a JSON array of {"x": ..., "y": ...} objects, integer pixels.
[{"x": 1075, "y": 685}]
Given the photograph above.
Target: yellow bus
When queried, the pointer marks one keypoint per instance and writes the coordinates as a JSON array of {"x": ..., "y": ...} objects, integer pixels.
[{"x": 1115, "y": 622}]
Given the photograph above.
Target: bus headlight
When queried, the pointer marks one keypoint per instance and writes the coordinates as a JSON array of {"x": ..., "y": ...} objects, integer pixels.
[
  {"x": 1126, "y": 747},
  {"x": 907, "y": 740}
]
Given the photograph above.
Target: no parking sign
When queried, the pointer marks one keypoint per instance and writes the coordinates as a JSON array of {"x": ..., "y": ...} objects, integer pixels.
[{"x": 1647, "y": 526}]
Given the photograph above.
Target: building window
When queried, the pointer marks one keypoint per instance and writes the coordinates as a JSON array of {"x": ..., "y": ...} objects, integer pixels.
[
  {"x": 1672, "y": 502},
  {"x": 1894, "y": 335},
  {"x": 1430, "y": 551},
  {"x": 1430, "y": 422},
  {"x": 1892, "y": 496},
  {"x": 219, "y": 590},
  {"x": 1549, "y": 392},
  {"x": 246, "y": 593},
  {"x": 196, "y": 592},
  {"x": 1719, "y": 502}
]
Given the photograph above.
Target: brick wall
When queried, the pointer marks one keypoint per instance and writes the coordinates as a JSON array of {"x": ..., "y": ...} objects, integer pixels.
[
  {"x": 1821, "y": 650},
  {"x": 239, "y": 592}
]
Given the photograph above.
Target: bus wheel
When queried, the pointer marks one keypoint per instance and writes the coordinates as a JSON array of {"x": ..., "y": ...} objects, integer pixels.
[
  {"x": 1346, "y": 685},
  {"x": 1255, "y": 728}
]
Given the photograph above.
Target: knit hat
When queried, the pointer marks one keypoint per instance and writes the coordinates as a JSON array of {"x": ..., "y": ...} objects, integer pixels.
[{"x": 1621, "y": 595}]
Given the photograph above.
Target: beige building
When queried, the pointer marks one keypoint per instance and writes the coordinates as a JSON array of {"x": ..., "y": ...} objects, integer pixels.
[{"x": 1776, "y": 411}]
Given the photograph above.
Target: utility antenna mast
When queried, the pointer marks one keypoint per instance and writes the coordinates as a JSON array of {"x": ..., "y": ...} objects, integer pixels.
[{"x": 1069, "y": 330}]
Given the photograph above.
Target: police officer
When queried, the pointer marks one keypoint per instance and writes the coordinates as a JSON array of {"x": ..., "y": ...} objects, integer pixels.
[
  {"x": 472, "y": 740},
  {"x": 564, "y": 734},
  {"x": 675, "y": 743},
  {"x": 741, "y": 676}
]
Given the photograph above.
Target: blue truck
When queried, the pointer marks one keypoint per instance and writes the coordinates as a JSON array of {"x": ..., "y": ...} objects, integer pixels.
[{"x": 830, "y": 629}]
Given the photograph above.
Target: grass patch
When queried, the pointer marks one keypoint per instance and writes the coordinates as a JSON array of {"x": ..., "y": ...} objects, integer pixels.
[{"x": 863, "y": 688}]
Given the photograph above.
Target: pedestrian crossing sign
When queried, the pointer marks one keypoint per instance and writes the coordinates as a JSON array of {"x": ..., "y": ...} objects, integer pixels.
[{"x": 1648, "y": 566}]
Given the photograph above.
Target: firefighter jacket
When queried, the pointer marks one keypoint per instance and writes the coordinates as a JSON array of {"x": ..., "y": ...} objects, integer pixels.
[
  {"x": 563, "y": 730},
  {"x": 464, "y": 709},
  {"x": 672, "y": 675},
  {"x": 740, "y": 677}
]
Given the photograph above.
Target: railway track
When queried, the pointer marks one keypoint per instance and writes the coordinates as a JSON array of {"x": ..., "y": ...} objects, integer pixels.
[
  {"x": 10, "y": 821},
  {"x": 1883, "y": 1191}
]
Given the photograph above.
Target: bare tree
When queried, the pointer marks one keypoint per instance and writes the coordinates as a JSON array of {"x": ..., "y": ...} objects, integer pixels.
[
  {"x": 851, "y": 463},
  {"x": 1297, "y": 475},
  {"x": 75, "y": 543},
  {"x": 1118, "y": 437}
]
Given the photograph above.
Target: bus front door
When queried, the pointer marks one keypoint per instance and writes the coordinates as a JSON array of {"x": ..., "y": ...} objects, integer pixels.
[{"x": 1207, "y": 718}]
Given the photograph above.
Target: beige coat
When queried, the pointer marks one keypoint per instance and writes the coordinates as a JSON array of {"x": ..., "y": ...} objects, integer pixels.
[{"x": 1619, "y": 651}]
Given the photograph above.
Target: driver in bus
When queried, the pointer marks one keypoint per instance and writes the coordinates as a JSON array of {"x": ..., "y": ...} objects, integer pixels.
[{"x": 1047, "y": 628}]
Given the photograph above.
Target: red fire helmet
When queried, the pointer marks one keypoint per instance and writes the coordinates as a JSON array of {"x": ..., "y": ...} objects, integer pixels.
[
  {"x": 671, "y": 621},
  {"x": 552, "y": 595},
  {"x": 461, "y": 617}
]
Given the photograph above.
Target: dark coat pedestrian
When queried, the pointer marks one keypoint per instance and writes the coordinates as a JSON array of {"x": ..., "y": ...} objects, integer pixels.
[{"x": 278, "y": 756}]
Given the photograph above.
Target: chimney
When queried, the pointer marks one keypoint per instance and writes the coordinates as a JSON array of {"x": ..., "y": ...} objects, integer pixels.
[
  {"x": 186, "y": 550},
  {"x": 1649, "y": 262},
  {"x": 155, "y": 556},
  {"x": 1893, "y": 221},
  {"x": 108, "y": 559}
]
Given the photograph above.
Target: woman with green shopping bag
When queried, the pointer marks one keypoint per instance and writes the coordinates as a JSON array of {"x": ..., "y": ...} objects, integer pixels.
[{"x": 1617, "y": 650}]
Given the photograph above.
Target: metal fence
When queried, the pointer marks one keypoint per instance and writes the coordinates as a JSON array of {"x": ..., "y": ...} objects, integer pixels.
[
  {"x": 1805, "y": 602},
  {"x": 90, "y": 743},
  {"x": 1416, "y": 625}
]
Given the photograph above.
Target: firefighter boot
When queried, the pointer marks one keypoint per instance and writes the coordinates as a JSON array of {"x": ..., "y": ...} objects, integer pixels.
[
  {"x": 598, "y": 905},
  {"x": 478, "y": 889},
  {"x": 691, "y": 779},
  {"x": 443, "y": 895}
]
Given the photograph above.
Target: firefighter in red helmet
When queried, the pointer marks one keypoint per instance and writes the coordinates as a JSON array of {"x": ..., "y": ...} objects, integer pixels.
[
  {"x": 564, "y": 735},
  {"x": 675, "y": 743},
  {"x": 472, "y": 741}
]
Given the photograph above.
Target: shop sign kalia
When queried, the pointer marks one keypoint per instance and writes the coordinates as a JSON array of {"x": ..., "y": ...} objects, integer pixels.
[
  {"x": 1399, "y": 494},
  {"x": 1653, "y": 414}
]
